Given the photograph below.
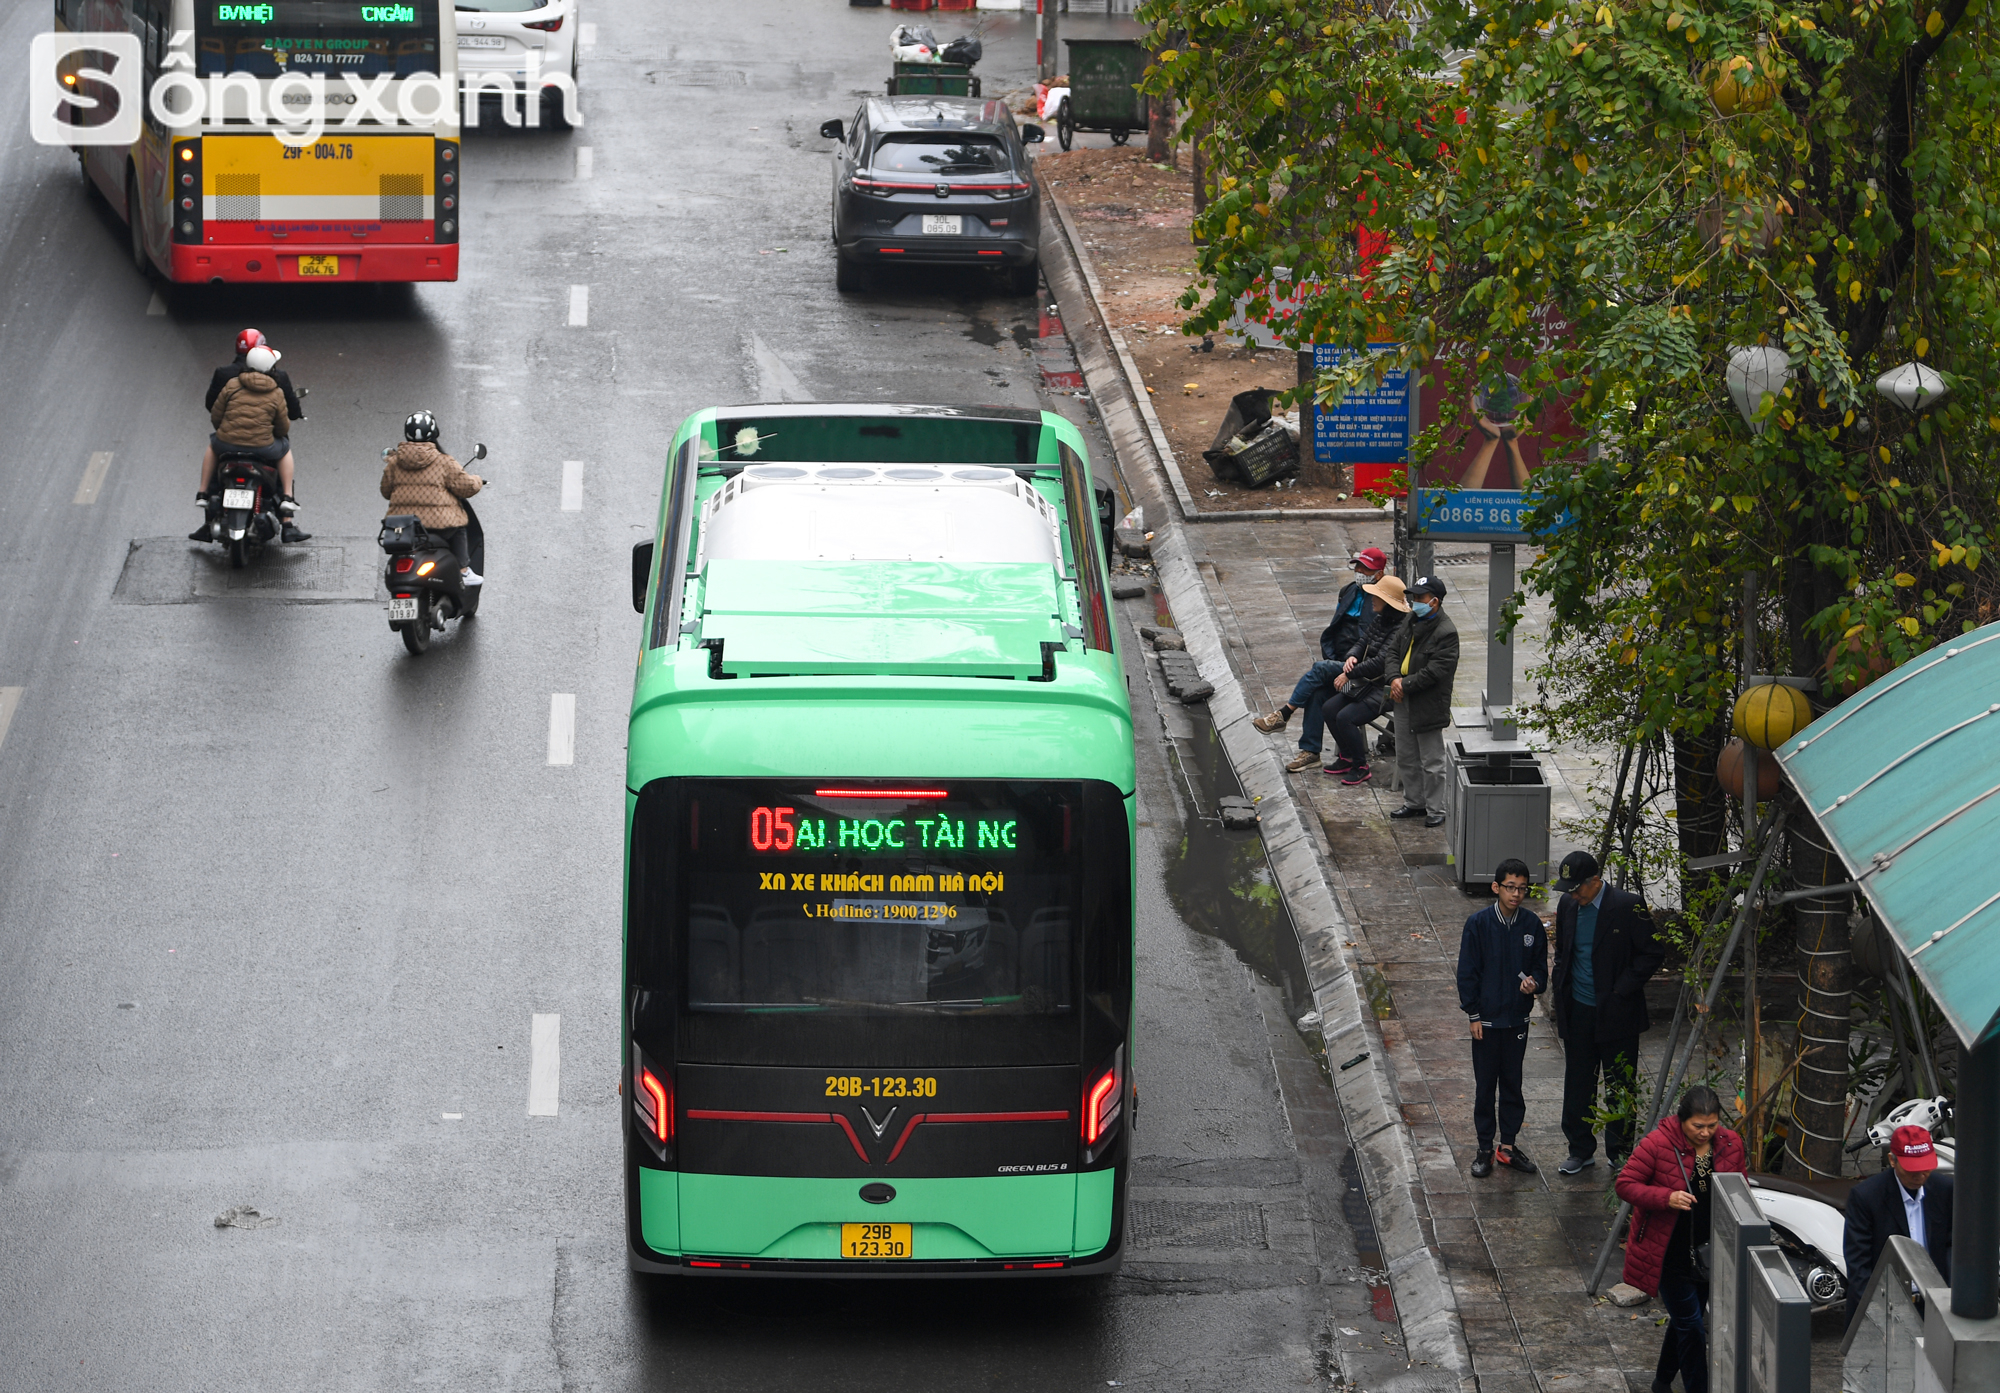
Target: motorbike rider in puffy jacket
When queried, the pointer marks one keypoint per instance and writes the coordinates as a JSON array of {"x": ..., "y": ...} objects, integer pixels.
[
  {"x": 224, "y": 375},
  {"x": 418, "y": 478},
  {"x": 251, "y": 420}
]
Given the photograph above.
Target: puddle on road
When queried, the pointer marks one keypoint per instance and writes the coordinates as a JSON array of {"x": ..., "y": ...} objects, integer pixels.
[{"x": 1220, "y": 881}]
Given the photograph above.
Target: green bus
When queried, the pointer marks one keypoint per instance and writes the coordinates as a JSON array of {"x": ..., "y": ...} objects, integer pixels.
[{"x": 879, "y": 852}]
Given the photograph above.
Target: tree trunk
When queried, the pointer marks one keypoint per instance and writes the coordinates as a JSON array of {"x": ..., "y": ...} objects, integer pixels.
[
  {"x": 1701, "y": 809},
  {"x": 1819, "y": 1088},
  {"x": 1160, "y": 129}
]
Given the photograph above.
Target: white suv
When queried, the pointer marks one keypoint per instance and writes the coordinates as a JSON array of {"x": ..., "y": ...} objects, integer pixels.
[{"x": 500, "y": 36}]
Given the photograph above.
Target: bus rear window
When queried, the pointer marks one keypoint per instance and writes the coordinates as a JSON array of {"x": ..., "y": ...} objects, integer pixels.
[
  {"x": 943, "y": 900},
  {"x": 271, "y": 37}
]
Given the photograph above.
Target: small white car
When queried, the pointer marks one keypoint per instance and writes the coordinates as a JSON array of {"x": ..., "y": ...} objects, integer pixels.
[{"x": 500, "y": 37}]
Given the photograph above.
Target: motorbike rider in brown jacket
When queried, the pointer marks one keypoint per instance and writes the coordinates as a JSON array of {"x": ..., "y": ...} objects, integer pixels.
[
  {"x": 251, "y": 419},
  {"x": 418, "y": 478}
]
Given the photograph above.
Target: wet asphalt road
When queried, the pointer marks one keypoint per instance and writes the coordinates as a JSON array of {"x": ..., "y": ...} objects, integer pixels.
[{"x": 277, "y": 902}]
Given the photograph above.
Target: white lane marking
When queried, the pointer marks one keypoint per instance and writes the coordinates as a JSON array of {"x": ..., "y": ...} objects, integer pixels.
[
  {"x": 10, "y": 698},
  {"x": 93, "y": 477},
  {"x": 562, "y": 728},
  {"x": 156, "y": 305},
  {"x": 572, "y": 486},
  {"x": 585, "y": 160},
  {"x": 587, "y": 35},
  {"x": 544, "y": 1065},
  {"x": 579, "y": 305},
  {"x": 775, "y": 381},
  {"x": 453, "y": 1116}
]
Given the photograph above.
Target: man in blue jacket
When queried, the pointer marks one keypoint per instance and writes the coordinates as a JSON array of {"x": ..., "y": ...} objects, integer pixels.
[{"x": 1503, "y": 964}]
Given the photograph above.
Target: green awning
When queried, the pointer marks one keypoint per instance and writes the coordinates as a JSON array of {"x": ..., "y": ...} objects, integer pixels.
[{"x": 1905, "y": 779}]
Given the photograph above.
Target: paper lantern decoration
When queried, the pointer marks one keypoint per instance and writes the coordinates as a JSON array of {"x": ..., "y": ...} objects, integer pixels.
[
  {"x": 1912, "y": 386},
  {"x": 1873, "y": 663},
  {"x": 1729, "y": 772},
  {"x": 1752, "y": 373},
  {"x": 1771, "y": 713}
]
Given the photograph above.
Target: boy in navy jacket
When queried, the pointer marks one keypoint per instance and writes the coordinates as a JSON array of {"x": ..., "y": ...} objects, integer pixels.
[{"x": 1503, "y": 964}]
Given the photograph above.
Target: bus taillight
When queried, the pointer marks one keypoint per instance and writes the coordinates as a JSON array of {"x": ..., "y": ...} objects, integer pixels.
[
  {"x": 653, "y": 1097},
  {"x": 186, "y": 205},
  {"x": 1103, "y": 1101}
]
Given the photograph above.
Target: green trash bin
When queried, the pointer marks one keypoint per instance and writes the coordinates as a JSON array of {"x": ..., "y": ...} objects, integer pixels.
[
  {"x": 1104, "y": 76},
  {"x": 933, "y": 80}
]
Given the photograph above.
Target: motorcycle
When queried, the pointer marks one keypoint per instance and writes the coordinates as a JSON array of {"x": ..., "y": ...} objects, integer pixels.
[
  {"x": 1808, "y": 1222},
  {"x": 243, "y": 503},
  {"x": 421, "y": 573}
]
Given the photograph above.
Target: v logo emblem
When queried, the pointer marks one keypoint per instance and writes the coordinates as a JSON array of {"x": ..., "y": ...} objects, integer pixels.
[{"x": 878, "y": 1127}]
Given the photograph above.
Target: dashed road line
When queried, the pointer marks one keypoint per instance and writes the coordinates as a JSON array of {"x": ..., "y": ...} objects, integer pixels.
[
  {"x": 544, "y": 1064},
  {"x": 572, "y": 486},
  {"x": 775, "y": 381},
  {"x": 579, "y": 305},
  {"x": 156, "y": 306},
  {"x": 585, "y": 161},
  {"x": 93, "y": 477},
  {"x": 562, "y": 728},
  {"x": 10, "y": 700},
  {"x": 587, "y": 35}
]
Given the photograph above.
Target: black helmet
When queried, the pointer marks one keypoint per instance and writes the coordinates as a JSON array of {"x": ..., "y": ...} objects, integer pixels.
[{"x": 421, "y": 426}]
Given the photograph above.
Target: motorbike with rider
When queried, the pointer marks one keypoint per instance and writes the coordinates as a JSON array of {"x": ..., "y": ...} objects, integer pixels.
[{"x": 251, "y": 407}]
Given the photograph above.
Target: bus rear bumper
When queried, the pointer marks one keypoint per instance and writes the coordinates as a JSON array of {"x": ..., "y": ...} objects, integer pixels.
[
  {"x": 1102, "y": 1264},
  {"x": 381, "y": 261}
]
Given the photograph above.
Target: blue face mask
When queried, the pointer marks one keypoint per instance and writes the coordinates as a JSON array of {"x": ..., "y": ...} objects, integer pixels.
[{"x": 1421, "y": 608}]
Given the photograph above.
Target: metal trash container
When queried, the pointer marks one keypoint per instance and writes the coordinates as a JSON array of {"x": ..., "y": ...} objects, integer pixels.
[
  {"x": 1104, "y": 77},
  {"x": 1499, "y": 808}
]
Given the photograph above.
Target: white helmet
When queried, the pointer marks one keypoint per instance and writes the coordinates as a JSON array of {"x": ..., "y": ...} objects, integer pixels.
[{"x": 262, "y": 358}]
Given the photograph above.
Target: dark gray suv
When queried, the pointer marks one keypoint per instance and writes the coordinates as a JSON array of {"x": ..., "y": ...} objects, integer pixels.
[{"x": 942, "y": 180}]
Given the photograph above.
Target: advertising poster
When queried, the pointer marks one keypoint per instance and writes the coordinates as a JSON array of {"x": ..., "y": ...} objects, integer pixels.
[{"x": 1478, "y": 485}]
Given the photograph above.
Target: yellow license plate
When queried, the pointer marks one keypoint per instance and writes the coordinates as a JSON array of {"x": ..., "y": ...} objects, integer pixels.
[
  {"x": 319, "y": 265},
  {"x": 875, "y": 1241}
]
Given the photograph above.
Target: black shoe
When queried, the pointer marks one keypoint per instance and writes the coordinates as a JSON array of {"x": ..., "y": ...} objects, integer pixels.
[
  {"x": 200, "y": 534},
  {"x": 1434, "y": 820},
  {"x": 1516, "y": 1159},
  {"x": 1404, "y": 814},
  {"x": 1482, "y": 1165},
  {"x": 1574, "y": 1164},
  {"x": 292, "y": 533}
]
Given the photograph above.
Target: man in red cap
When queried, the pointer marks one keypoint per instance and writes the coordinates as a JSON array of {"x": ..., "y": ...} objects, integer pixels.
[
  {"x": 1341, "y": 637},
  {"x": 1910, "y": 1198}
]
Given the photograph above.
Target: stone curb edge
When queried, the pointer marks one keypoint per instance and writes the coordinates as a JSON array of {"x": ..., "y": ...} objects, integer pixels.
[{"x": 1426, "y": 1304}]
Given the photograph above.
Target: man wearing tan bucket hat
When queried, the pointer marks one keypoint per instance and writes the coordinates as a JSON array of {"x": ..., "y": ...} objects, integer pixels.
[{"x": 1420, "y": 665}]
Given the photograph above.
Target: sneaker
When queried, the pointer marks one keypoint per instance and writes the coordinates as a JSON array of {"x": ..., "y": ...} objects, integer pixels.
[
  {"x": 288, "y": 505},
  {"x": 1273, "y": 722},
  {"x": 470, "y": 578},
  {"x": 1304, "y": 759},
  {"x": 1482, "y": 1165},
  {"x": 1434, "y": 820},
  {"x": 292, "y": 533},
  {"x": 1405, "y": 814},
  {"x": 1575, "y": 1165},
  {"x": 201, "y": 501},
  {"x": 1515, "y": 1158},
  {"x": 1360, "y": 774},
  {"x": 1341, "y": 764},
  {"x": 200, "y": 534}
]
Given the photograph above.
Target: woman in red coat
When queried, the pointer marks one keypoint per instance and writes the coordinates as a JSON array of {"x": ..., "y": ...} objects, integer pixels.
[{"x": 1666, "y": 1182}]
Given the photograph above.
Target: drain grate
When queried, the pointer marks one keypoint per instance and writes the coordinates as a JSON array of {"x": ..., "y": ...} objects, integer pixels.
[{"x": 1166, "y": 1224}]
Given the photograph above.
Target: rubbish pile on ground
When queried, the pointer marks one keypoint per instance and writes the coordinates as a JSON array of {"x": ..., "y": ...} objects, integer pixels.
[{"x": 1252, "y": 446}]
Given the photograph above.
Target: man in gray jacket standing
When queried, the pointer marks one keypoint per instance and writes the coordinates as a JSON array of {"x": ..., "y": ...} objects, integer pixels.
[{"x": 1420, "y": 665}]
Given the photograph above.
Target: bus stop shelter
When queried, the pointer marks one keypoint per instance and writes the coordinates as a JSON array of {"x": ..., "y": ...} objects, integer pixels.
[{"x": 1904, "y": 780}]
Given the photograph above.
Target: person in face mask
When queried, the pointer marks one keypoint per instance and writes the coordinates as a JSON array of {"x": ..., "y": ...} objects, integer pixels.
[{"x": 1421, "y": 665}]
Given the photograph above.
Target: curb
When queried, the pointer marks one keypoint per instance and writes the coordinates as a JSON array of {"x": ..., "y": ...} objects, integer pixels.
[{"x": 1426, "y": 1305}]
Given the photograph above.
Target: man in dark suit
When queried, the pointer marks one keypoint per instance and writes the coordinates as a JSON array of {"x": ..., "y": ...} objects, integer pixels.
[
  {"x": 1605, "y": 951},
  {"x": 1910, "y": 1199}
]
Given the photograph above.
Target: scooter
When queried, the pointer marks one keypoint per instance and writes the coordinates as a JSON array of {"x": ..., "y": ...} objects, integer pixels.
[
  {"x": 243, "y": 506},
  {"x": 1808, "y": 1220},
  {"x": 422, "y": 574}
]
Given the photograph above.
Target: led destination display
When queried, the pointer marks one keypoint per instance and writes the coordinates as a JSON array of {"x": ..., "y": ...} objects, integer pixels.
[
  {"x": 784, "y": 830},
  {"x": 309, "y": 15}
]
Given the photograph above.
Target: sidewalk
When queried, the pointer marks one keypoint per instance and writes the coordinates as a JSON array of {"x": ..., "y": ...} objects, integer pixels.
[{"x": 1488, "y": 1275}]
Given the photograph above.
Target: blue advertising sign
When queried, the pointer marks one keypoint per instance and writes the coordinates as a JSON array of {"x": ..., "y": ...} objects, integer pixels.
[
  {"x": 1367, "y": 427},
  {"x": 1489, "y": 514}
]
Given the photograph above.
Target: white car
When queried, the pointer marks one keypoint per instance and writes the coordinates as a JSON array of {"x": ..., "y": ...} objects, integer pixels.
[{"x": 500, "y": 37}]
